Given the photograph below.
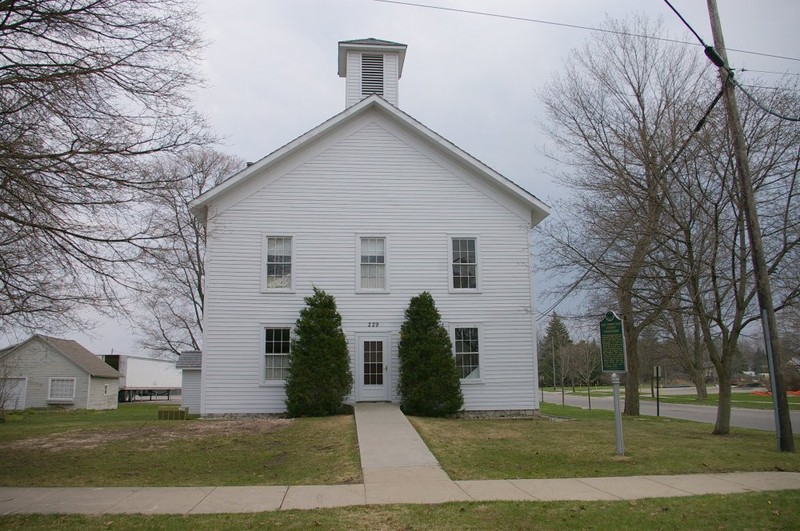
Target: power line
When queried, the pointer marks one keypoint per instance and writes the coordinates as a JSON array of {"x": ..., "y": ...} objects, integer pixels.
[
  {"x": 567, "y": 25},
  {"x": 765, "y": 87},
  {"x": 668, "y": 167},
  {"x": 769, "y": 72},
  {"x": 761, "y": 105},
  {"x": 715, "y": 58}
]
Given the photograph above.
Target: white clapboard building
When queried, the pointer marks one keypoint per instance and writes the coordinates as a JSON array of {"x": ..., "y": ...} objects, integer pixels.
[{"x": 374, "y": 208}]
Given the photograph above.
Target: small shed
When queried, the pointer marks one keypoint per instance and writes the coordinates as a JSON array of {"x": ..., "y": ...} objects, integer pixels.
[
  {"x": 45, "y": 371},
  {"x": 190, "y": 363}
]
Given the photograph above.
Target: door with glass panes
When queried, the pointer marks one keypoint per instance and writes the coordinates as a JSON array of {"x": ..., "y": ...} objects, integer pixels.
[{"x": 372, "y": 367}]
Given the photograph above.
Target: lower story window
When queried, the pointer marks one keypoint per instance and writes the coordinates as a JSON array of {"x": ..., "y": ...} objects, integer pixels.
[
  {"x": 62, "y": 389},
  {"x": 277, "y": 343},
  {"x": 467, "y": 352}
]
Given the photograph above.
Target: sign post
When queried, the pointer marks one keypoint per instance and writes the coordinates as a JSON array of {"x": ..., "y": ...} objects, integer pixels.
[
  {"x": 657, "y": 376},
  {"x": 613, "y": 360}
]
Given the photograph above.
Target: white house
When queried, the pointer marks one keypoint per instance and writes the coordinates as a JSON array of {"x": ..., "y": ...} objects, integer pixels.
[
  {"x": 374, "y": 208},
  {"x": 45, "y": 371}
]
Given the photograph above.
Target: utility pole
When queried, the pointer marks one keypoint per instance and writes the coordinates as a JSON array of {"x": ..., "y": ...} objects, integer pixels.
[{"x": 783, "y": 422}]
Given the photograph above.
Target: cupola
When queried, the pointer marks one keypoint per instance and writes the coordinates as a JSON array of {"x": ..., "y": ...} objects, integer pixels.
[{"x": 371, "y": 66}]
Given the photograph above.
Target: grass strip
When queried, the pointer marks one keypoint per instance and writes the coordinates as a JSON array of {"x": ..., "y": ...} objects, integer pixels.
[
  {"x": 763, "y": 510},
  {"x": 742, "y": 400}
]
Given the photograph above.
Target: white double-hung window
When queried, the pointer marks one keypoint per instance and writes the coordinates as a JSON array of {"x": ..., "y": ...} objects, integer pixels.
[
  {"x": 463, "y": 263},
  {"x": 466, "y": 346},
  {"x": 277, "y": 345},
  {"x": 372, "y": 257},
  {"x": 277, "y": 257}
]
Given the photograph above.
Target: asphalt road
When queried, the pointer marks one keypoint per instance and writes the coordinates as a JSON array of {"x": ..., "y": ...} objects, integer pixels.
[{"x": 759, "y": 419}]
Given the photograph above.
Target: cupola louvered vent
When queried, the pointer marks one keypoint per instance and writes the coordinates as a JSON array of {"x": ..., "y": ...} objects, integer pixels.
[
  {"x": 371, "y": 66},
  {"x": 371, "y": 74}
]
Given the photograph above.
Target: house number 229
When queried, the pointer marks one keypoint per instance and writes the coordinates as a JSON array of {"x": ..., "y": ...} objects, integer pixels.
[{"x": 373, "y": 324}]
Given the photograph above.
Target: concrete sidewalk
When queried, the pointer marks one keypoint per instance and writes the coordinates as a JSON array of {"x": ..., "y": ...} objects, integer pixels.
[
  {"x": 205, "y": 500},
  {"x": 397, "y": 468}
]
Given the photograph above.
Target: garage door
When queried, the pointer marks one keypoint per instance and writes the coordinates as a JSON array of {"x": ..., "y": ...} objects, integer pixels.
[{"x": 13, "y": 391}]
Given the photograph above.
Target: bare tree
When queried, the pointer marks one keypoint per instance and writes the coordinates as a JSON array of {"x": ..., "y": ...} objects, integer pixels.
[
  {"x": 618, "y": 111},
  {"x": 90, "y": 90},
  {"x": 583, "y": 361},
  {"x": 173, "y": 294},
  {"x": 687, "y": 346},
  {"x": 707, "y": 244},
  {"x": 8, "y": 386}
]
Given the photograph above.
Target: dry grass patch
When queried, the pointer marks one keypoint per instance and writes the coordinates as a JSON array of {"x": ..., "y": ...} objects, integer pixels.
[
  {"x": 128, "y": 448},
  {"x": 147, "y": 437}
]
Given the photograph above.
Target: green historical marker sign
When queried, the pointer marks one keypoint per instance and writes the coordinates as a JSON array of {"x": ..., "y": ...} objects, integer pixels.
[{"x": 612, "y": 344}]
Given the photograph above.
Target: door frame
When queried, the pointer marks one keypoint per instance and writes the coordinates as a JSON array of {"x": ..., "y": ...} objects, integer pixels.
[{"x": 387, "y": 367}]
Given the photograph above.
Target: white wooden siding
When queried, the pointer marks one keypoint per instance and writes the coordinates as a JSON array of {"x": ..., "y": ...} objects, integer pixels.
[
  {"x": 98, "y": 398},
  {"x": 353, "y": 80},
  {"x": 390, "y": 81},
  {"x": 190, "y": 390},
  {"x": 371, "y": 177}
]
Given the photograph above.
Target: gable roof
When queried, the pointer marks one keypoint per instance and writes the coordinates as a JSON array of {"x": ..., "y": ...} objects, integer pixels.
[
  {"x": 370, "y": 45},
  {"x": 73, "y": 351},
  {"x": 539, "y": 210},
  {"x": 372, "y": 41},
  {"x": 191, "y": 359}
]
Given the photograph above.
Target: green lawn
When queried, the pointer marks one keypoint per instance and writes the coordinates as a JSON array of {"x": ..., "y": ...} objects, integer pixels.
[
  {"x": 584, "y": 446},
  {"x": 128, "y": 447},
  {"x": 772, "y": 510},
  {"x": 744, "y": 400}
]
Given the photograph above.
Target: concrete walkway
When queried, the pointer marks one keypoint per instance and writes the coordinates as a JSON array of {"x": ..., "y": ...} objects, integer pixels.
[
  {"x": 397, "y": 468},
  {"x": 205, "y": 500}
]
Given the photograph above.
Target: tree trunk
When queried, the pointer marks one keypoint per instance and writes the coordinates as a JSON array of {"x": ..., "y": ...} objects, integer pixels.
[
  {"x": 699, "y": 380},
  {"x": 698, "y": 376},
  {"x": 723, "y": 425},
  {"x": 632, "y": 376}
]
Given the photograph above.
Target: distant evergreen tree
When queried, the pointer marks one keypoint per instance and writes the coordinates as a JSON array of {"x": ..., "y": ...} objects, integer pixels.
[
  {"x": 555, "y": 337},
  {"x": 319, "y": 364},
  {"x": 429, "y": 382}
]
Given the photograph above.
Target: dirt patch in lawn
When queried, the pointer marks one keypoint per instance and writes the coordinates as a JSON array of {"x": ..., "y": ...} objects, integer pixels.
[{"x": 149, "y": 436}]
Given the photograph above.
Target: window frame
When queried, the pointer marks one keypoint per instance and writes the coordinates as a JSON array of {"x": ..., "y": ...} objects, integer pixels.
[
  {"x": 450, "y": 277},
  {"x": 264, "y": 266},
  {"x": 385, "y": 288},
  {"x": 264, "y": 382},
  {"x": 479, "y": 327},
  {"x": 61, "y": 400}
]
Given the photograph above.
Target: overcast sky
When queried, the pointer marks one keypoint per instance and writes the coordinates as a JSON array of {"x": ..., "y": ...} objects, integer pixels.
[{"x": 271, "y": 70}]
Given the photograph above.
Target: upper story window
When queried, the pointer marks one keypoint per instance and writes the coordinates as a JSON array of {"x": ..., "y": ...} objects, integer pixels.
[
  {"x": 372, "y": 263},
  {"x": 277, "y": 344},
  {"x": 464, "y": 263},
  {"x": 467, "y": 351},
  {"x": 371, "y": 74},
  {"x": 278, "y": 261}
]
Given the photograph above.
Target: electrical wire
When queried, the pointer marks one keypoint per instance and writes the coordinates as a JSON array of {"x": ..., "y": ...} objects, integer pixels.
[
  {"x": 668, "y": 167},
  {"x": 761, "y": 105},
  {"x": 765, "y": 87},
  {"x": 715, "y": 58},
  {"x": 567, "y": 25},
  {"x": 769, "y": 72}
]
